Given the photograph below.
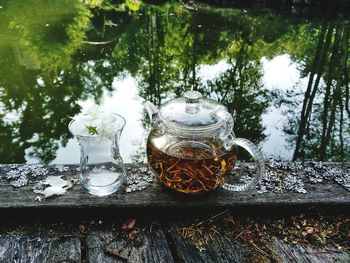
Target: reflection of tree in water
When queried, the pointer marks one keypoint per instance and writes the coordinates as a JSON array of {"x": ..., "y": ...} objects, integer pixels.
[
  {"x": 239, "y": 88},
  {"x": 45, "y": 69},
  {"x": 165, "y": 46},
  {"x": 40, "y": 83},
  {"x": 169, "y": 61},
  {"x": 177, "y": 46},
  {"x": 322, "y": 129},
  {"x": 173, "y": 68}
]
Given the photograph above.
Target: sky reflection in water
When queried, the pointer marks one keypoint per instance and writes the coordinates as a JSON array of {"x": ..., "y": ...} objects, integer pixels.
[
  {"x": 124, "y": 100},
  {"x": 284, "y": 78}
]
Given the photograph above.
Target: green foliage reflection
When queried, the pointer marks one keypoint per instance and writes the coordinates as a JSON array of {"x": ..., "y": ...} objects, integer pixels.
[
  {"x": 40, "y": 83},
  {"x": 322, "y": 130},
  {"x": 55, "y": 53}
]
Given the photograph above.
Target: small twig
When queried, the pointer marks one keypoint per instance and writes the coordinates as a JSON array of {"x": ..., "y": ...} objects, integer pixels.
[
  {"x": 189, "y": 235},
  {"x": 238, "y": 235},
  {"x": 336, "y": 245},
  {"x": 213, "y": 217},
  {"x": 106, "y": 244},
  {"x": 322, "y": 252},
  {"x": 230, "y": 219},
  {"x": 190, "y": 229},
  {"x": 217, "y": 232},
  {"x": 114, "y": 254},
  {"x": 10, "y": 234},
  {"x": 260, "y": 250},
  {"x": 344, "y": 242},
  {"x": 229, "y": 240},
  {"x": 34, "y": 239}
]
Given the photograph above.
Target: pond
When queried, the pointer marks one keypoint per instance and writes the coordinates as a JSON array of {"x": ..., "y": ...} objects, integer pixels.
[{"x": 283, "y": 75}]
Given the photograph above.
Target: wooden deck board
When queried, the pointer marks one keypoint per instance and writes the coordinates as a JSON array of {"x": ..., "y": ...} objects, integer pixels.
[
  {"x": 150, "y": 241},
  {"x": 161, "y": 242},
  {"x": 39, "y": 247},
  {"x": 148, "y": 245},
  {"x": 217, "y": 249},
  {"x": 290, "y": 253},
  {"x": 156, "y": 196}
]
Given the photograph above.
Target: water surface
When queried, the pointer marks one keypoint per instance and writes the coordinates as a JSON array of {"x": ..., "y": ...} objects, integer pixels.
[{"x": 284, "y": 76}]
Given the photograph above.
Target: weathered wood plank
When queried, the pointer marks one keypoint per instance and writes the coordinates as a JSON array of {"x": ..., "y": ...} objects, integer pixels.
[
  {"x": 207, "y": 249},
  {"x": 215, "y": 238},
  {"x": 139, "y": 245},
  {"x": 290, "y": 253},
  {"x": 39, "y": 248},
  {"x": 205, "y": 245},
  {"x": 326, "y": 193}
]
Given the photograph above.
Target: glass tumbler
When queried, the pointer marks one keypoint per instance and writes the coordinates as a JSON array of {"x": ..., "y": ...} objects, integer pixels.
[{"x": 102, "y": 170}]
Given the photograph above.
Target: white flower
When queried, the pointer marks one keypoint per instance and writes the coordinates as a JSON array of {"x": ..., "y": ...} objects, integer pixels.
[
  {"x": 94, "y": 121},
  {"x": 93, "y": 111}
]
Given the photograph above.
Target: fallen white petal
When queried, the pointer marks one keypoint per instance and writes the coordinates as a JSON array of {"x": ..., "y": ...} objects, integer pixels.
[
  {"x": 55, "y": 186},
  {"x": 55, "y": 181},
  {"x": 53, "y": 190}
]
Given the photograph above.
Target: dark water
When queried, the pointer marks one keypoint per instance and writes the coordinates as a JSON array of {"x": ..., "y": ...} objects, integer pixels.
[{"x": 284, "y": 76}]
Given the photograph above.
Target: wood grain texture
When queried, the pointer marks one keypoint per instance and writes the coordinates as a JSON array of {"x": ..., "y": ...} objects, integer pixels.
[
  {"x": 148, "y": 245},
  {"x": 220, "y": 249},
  {"x": 39, "y": 248},
  {"x": 151, "y": 241},
  {"x": 156, "y": 196},
  {"x": 206, "y": 249},
  {"x": 290, "y": 253}
]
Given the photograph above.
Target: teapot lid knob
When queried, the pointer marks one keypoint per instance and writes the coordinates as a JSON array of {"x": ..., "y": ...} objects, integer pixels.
[{"x": 193, "y": 96}]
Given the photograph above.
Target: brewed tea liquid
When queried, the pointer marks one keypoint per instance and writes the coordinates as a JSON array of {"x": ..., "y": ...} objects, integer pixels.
[{"x": 191, "y": 168}]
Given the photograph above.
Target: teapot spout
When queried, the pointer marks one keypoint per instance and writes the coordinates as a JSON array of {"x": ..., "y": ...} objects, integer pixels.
[{"x": 151, "y": 109}]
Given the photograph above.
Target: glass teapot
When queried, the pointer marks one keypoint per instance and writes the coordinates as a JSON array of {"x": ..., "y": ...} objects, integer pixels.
[{"x": 191, "y": 147}]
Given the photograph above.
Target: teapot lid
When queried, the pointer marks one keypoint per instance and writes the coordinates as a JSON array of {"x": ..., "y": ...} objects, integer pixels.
[{"x": 195, "y": 113}]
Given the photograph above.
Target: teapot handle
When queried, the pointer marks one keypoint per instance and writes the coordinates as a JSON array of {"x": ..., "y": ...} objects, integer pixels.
[{"x": 259, "y": 160}]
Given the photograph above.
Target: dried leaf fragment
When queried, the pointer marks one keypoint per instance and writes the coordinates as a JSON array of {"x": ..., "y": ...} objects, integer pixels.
[
  {"x": 129, "y": 224},
  {"x": 310, "y": 230},
  {"x": 132, "y": 234},
  {"x": 82, "y": 229}
]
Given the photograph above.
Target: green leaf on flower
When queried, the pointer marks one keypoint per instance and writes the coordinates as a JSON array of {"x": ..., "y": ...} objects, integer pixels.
[{"x": 92, "y": 130}]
